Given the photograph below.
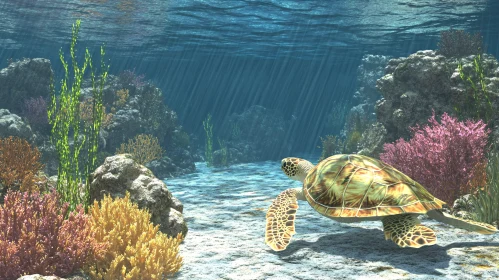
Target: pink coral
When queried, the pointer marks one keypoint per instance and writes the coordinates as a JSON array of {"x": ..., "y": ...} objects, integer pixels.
[
  {"x": 36, "y": 237},
  {"x": 440, "y": 156}
]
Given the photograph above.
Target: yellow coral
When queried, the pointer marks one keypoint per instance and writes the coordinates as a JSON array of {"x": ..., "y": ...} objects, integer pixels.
[
  {"x": 137, "y": 250},
  {"x": 122, "y": 97},
  {"x": 86, "y": 113},
  {"x": 143, "y": 148}
]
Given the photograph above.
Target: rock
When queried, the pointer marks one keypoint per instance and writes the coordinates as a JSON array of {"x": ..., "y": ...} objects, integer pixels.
[
  {"x": 167, "y": 168},
  {"x": 24, "y": 79},
  {"x": 372, "y": 140},
  {"x": 120, "y": 173},
  {"x": 125, "y": 124},
  {"x": 13, "y": 125},
  {"x": 39, "y": 277},
  {"x": 371, "y": 68},
  {"x": 145, "y": 113},
  {"x": 463, "y": 207},
  {"x": 75, "y": 276}
]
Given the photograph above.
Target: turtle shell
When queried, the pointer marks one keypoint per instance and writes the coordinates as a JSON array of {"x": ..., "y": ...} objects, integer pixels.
[{"x": 360, "y": 186}]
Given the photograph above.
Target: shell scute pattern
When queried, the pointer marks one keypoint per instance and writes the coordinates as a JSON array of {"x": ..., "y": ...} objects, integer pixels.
[{"x": 356, "y": 186}]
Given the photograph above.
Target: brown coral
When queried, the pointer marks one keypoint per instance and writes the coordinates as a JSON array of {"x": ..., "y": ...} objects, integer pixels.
[
  {"x": 19, "y": 163},
  {"x": 143, "y": 148}
]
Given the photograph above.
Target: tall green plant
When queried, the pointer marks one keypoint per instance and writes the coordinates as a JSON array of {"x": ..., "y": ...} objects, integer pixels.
[
  {"x": 486, "y": 200},
  {"x": 64, "y": 117},
  {"x": 477, "y": 103},
  {"x": 224, "y": 152},
  {"x": 208, "y": 128}
]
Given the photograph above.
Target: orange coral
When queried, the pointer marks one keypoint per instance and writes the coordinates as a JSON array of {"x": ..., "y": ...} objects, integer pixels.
[{"x": 19, "y": 163}]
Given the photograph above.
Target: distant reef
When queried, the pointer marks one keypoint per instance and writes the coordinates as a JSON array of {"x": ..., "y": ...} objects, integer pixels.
[
  {"x": 415, "y": 86},
  {"x": 256, "y": 134},
  {"x": 132, "y": 107}
]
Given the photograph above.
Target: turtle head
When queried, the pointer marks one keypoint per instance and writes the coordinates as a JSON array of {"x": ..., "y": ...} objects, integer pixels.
[{"x": 296, "y": 168}]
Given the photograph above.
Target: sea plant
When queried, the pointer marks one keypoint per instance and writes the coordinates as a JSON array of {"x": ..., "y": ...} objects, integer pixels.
[
  {"x": 64, "y": 117},
  {"x": 137, "y": 249},
  {"x": 37, "y": 239},
  {"x": 224, "y": 152},
  {"x": 459, "y": 43},
  {"x": 208, "y": 152},
  {"x": 477, "y": 103},
  {"x": 486, "y": 199},
  {"x": 331, "y": 145},
  {"x": 144, "y": 148},
  {"x": 440, "y": 156},
  {"x": 19, "y": 163}
]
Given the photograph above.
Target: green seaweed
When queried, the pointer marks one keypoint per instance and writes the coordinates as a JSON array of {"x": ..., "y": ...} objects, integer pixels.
[
  {"x": 64, "y": 117},
  {"x": 477, "y": 102},
  {"x": 486, "y": 199},
  {"x": 208, "y": 128},
  {"x": 225, "y": 152}
]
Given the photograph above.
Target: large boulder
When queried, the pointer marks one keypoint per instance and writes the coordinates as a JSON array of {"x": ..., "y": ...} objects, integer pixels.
[
  {"x": 120, "y": 173},
  {"x": 13, "y": 125},
  {"x": 23, "y": 79}
]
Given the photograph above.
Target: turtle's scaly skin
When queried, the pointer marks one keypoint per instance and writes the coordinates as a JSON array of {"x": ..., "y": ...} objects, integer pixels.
[
  {"x": 281, "y": 220},
  {"x": 358, "y": 186}
]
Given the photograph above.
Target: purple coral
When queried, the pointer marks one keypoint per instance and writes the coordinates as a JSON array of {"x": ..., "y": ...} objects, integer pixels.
[
  {"x": 36, "y": 237},
  {"x": 130, "y": 78},
  {"x": 440, "y": 156},
  {"x": 35, "y": 111}
]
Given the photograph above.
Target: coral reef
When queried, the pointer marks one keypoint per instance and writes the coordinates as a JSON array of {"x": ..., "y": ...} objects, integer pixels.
[
  {"x": 22, "y": 80},
  {"x": 256, "y": 134},
  {"x": 414, "y": 86},
  {"x": 132, "y": 106}
]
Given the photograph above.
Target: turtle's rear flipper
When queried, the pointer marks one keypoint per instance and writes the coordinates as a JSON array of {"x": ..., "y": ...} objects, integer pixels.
[
  {"x": 281, "y": 220},
  {"x": 482, "y": 228},
  {"x": 406, "y": 231}
]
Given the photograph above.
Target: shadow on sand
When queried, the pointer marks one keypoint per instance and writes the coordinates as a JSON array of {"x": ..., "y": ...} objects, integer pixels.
[{"x": 369, "y": 245}]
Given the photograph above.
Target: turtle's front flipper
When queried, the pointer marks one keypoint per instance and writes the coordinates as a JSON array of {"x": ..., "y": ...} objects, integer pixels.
[
  {"x": 405, "y": 230},
  {"x": 281, "y": 220},
  {"x": 482, "y": 228}
]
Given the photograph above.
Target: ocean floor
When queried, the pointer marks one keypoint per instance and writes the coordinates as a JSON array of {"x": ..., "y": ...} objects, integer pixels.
[{"x": 225, "y": 211}]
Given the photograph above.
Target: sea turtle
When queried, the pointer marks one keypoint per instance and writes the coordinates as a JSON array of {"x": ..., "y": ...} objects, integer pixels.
[{"x": 353, "y": 188}]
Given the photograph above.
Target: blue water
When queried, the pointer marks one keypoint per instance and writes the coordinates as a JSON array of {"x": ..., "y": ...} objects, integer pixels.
[{"x": 221, "y": 57}]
